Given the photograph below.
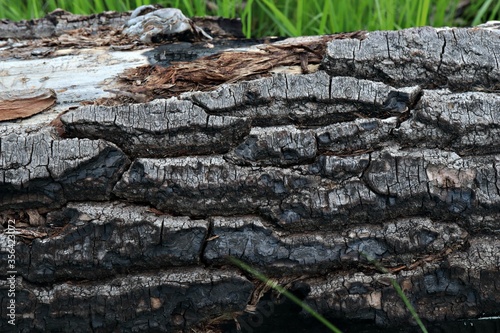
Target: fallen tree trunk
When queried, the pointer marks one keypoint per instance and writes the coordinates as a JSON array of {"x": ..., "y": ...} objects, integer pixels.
[{"x": 125, "y": 214}]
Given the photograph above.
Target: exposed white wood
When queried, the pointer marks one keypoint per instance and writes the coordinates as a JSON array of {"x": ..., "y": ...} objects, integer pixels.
[{"x": 75, "y": 75}]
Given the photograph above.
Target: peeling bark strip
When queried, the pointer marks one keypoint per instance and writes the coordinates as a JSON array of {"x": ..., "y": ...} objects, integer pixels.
[
  {"x": 314, "y": 99},
  {"x": 389, "y": 150},
  {"x": 21, "y": 104},
  {"x": 158, "y": 129}
]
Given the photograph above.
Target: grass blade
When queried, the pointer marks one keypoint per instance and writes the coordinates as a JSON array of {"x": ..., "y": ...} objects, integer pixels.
[
  {"x": 479, "y": 16},
  {"x": 408, "y": 305},
  {"x": 278, "y": 17},
  {"x": 246, "y": 19},
  {"x": 399, "y": 291},
  {"x": 285, "y": 292}
]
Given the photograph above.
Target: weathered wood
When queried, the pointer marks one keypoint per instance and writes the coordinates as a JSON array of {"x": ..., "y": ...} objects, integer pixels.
[
  {"x": 126, "y": 214},
  {"x": 59, "y": 22}
]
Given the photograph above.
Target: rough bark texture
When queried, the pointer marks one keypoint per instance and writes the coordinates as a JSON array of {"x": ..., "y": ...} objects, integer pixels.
[
  {"x": 389, "y": 151},
  {"x": 159, "y": 128}
]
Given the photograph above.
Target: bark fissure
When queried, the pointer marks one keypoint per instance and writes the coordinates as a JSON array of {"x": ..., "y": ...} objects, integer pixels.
[{"x": 388, "y": 150}]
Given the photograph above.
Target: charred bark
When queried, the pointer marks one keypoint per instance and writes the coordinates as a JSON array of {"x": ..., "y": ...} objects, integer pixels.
[{"x": 389, "y": 151}]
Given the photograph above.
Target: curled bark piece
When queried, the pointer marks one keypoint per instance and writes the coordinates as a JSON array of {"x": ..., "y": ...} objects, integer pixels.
[
  {"x": 313, "y": 99},
  {"x": 157, "y": 129},
  {"x": 22, "y": 104}
]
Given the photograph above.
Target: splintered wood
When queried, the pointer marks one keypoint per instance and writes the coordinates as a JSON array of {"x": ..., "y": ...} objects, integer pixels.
[{"x": 301, "y": 54}]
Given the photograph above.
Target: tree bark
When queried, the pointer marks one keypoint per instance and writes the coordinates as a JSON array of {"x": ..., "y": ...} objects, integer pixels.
[{"x": 126, "y": 214}]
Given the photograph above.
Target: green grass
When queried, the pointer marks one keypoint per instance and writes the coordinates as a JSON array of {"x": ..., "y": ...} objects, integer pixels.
[
  {"x": 408, "y": 305},
  {"x": 288, "y": 17},
  {"x": 284, "y": 292},
  {"x": 487, "y": 10},
  {"x": 315, "y": 314},
  {"x": 400, "y": 293}
]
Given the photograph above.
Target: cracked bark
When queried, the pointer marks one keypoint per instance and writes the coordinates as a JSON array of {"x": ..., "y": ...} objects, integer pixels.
[{"x": 390, "y": 150}]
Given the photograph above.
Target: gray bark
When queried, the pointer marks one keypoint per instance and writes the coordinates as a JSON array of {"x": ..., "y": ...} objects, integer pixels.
[
  {"x": 159, "y": 128},
  {"x": 390, "y": 151},
  {"x": 154, "y": 301},
  {"x": 39, "y": 170},
  {"x": 460, "y": 59}
]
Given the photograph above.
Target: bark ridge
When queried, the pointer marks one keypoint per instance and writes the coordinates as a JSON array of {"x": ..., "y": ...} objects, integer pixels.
[{"x": 389, "y": 151}]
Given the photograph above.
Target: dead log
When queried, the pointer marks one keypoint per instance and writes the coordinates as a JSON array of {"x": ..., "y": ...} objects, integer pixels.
[{"x": 379, "y": 145}]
